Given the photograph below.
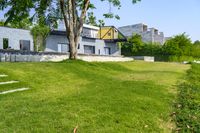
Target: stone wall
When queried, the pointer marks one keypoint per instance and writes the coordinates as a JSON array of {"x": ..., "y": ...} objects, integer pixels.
[
  {"x": 22, "y": 56},
  {"x": 145, "y": 58}
]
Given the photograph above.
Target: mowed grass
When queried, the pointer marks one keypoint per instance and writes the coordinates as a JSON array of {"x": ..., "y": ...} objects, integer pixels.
[{"x": 129, "y": 97}]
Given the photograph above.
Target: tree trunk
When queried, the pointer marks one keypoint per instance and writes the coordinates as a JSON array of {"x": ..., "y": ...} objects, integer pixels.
[
  {"x": 73, "y": 49},
  {"x": 73, "y": 25}
]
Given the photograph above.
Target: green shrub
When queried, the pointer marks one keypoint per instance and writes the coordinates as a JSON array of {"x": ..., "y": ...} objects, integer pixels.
[
  {"x": 187, "y": 109},
  {"x": 175, "y": 58}
]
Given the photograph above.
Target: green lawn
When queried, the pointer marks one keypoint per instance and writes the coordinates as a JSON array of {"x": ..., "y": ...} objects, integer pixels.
[{"x": 130, "y": 97}]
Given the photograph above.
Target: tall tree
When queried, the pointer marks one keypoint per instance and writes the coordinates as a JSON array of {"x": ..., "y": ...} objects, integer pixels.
[{"x": 73, "y": 12}]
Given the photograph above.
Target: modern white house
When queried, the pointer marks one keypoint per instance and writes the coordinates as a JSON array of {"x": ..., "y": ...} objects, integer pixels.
[{"x": 90, "y": 42}]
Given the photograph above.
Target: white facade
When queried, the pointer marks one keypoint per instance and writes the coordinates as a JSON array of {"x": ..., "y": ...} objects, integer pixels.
[
  {"x": 89, "y": 42},
  {"x": 59, "y": 43},
  {"x": 14, "y": 37}
]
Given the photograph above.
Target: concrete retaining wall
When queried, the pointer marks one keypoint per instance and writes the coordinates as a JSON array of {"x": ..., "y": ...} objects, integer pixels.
[
  {"x": 145, "y": 58},
  {"x": 20, "y": 56}
]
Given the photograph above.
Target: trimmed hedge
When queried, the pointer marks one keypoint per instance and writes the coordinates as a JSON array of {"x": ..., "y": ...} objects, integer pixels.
[
  {"x": 175, "y": 58},
  {"x": 187, "y": 108}
]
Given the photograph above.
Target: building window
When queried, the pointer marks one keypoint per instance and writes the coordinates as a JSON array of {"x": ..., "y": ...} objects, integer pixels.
[
  {"x": 63, "y": 47},
  {"x": 25, "y": 45},
  {"x": 109, "y": 34},
  {"x": 89, "y": 49},
  {"x": 107, "y": 51},
  {"x": 5, "y": 43}
]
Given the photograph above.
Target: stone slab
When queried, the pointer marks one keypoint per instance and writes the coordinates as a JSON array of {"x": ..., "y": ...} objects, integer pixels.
[
  {"x": 3, "y": 75},
  {"x": 8, "y": 82},
  {"x": 12, "y": 91}
]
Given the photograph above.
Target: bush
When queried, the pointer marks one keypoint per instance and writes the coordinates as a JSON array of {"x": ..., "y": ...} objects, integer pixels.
[
  {"x": 177, "y": 49},
  {"x": 175, "y": 58},
  {"x": 187, "y": 109}
]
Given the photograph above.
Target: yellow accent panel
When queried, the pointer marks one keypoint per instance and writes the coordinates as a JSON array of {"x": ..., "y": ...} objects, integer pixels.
[{"x": 107, "y": 33}]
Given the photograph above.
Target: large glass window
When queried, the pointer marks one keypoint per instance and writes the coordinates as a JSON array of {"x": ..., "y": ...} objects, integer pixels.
[
  {"x": 63, "y": 47},
  {"x": 5, "y": 43},
  {"x": 25, "y": 45},
  {"x": 89, "y": 49}
]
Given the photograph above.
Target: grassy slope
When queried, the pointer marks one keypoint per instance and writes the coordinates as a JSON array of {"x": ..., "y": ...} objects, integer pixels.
[{"x": 98, "y": 97}]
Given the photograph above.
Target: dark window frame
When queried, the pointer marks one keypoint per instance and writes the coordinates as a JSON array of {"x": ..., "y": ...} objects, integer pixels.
[
  {"x": 109, "y": 33},
  {"x": 5, "y": 43},
  {"x": 108, "y": 51},
  {"x": 62, "y": 47},
  {"x": 93, "y": 49},
  {"x": 25, "y": 45}
]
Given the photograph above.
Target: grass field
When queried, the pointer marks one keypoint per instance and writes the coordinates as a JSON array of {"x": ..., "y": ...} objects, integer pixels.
[{"x": 130, "y": 97}]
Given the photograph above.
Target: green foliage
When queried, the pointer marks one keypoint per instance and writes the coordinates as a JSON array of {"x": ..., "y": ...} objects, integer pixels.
[
  {"x": 91, "y": 19},
  {"x": 197, "y": 43},
  {"x": 196, "y": 49},
  {"x": 179, "y": 45},
  {"x": 178, "y": 49},
  {"x": 18, "y": 10},
  {"x": 115, "y": 3},
  {"x": 187, "y": 109},
  {"x": 151, "y": 49},
  {"x": 101, "y": 23},
  {"x": 23, "y": 24},
  {"x": 46, "y": 12},
  {"x": 133, "y": 45},
  {"x": 39, "y": 35},
  {"x": 136, "y": 41},
  {"x": 1, "y": 23}
]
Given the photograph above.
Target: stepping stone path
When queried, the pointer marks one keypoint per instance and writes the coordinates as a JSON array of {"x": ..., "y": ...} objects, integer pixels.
[
  {"x": 11, "y": 91},
  {"x": 3, "y": 75},
  {"x": 10, "y": 82}
]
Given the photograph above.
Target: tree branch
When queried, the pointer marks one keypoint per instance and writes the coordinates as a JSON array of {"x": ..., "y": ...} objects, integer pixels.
[
  {"x": 82, "y": 17},
  {"x": 63, "y": 9}
]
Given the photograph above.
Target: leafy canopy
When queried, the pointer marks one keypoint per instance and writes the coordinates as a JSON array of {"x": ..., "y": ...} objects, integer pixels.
[
  {"x": 178, "y": 45},
  {"x": 46, "y": 11}
]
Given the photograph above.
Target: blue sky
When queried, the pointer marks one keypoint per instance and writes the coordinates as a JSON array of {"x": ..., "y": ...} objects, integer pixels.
[{"x": 170, "y": 16}]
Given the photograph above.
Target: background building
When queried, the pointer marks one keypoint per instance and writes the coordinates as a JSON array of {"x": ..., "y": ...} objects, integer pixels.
[{"x": 151, "y": 35}]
